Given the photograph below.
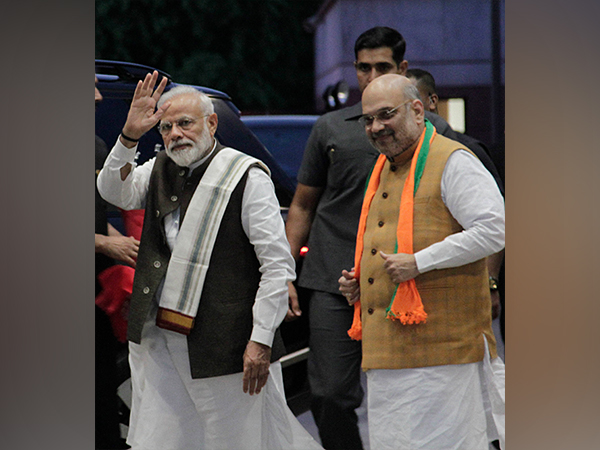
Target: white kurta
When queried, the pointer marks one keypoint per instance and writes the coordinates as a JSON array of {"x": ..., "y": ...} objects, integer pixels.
[
  {"x": 170, "y": 410},
  {"x": 472, "y": 196},
  {"x": 451, "y": 407}
]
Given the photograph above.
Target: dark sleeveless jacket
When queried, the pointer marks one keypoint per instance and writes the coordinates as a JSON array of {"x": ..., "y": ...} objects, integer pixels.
[{"x": 223, "y": 324}]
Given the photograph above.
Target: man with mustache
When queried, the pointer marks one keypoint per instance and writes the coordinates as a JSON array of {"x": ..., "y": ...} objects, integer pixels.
[
  {"x": 324, "y": 216},
  {"x": 431, "y": 215},
  {"x": 210, "y": 288}
]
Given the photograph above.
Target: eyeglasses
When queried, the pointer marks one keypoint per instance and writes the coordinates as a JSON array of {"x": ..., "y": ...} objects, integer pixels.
[
  {"x": 185, "y": 123},
  {"x": 366, "y": 120}
]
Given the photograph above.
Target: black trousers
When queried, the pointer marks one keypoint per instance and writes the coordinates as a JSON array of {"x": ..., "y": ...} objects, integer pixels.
[{"x": 334, "y": 371}]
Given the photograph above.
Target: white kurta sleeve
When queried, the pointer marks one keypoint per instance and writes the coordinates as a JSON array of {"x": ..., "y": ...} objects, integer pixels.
[
  {"x": 130, "y": 193},
  {"x": 263, "y": 224},
  {"x": 472, "y": 197}
]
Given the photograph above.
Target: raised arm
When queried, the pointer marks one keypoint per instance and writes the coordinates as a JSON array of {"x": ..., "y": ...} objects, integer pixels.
[
  {"x": 114, "y": 183},
  {"x": 142, "y": 117}
]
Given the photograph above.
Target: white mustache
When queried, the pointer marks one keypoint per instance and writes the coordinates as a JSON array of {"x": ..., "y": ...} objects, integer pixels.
[{"x": 183, "y": 141}]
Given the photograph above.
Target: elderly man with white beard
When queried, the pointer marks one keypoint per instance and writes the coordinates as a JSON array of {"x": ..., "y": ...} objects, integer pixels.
[{"x": 210, "y": 288}]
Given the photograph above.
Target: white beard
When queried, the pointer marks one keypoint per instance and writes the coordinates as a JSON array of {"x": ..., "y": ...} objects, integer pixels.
[{"x": 188, "y": 156}]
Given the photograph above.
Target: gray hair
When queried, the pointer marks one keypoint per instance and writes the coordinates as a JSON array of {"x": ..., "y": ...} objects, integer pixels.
[
  {"x": 205, "y": 102},
  {"x": 410, "y": 92}
]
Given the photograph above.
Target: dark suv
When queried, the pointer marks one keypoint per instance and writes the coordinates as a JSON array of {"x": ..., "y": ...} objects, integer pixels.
[
  {"x": 116, "y": 83},
  {"x": 284, "y": 136}
]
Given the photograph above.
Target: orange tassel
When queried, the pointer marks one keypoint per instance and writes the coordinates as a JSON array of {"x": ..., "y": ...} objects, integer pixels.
[{"x": 355, "y": 332}]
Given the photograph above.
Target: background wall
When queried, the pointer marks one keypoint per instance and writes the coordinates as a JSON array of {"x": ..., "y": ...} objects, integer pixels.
[{"x": 461, "y": 42}]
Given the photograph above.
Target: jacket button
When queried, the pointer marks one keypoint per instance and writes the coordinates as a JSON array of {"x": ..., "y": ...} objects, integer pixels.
[
  {"x": 182, "y": 172},
  {"x": 157, "y": 213},
  {"x": 157, "y": 264},
  {"x": 373, "y": 251},
  {"x": 370, "y": 310},
  {"x": 393, "y": 168},
  {"x": 380, "y": 223},
  {"x": 384, "y": 195},
  {"x": 371, "y": 280},
  {"x": 174, "y": 198},
  {"x": 146, "y": 290}
]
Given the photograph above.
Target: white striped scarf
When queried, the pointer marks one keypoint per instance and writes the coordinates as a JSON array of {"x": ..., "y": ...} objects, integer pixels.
[{"x": 192, "y": 251}]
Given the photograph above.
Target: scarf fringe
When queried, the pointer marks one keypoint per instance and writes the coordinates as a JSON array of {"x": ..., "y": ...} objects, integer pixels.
[
  {"x": 355, "y": 332},
  {"x": 408, "y": 317}
]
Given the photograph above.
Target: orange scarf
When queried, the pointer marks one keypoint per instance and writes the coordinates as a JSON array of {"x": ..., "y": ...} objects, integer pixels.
[{"x": 406, "y": 304}]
